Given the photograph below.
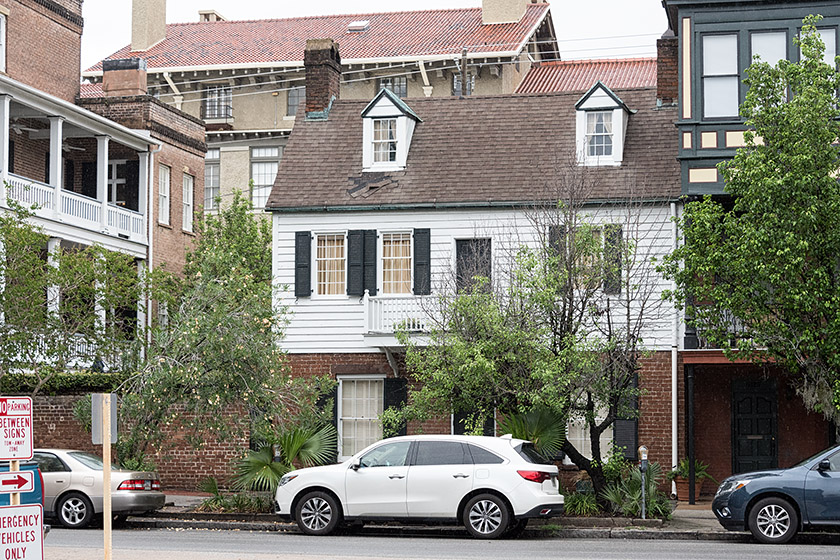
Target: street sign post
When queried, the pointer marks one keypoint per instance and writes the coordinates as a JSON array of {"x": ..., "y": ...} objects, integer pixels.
[
  {"x": 15, "y": 428},
  {"x": 23, "y": 481},
  {"x": 22, "y": 532}
]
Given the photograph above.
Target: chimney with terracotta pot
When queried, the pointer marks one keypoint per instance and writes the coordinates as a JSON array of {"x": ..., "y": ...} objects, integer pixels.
[
  {"x": 124, "y": 77},
  {"x": 148, "y": 23},
  {"x": 323, "y": 77},
  {"x": 667, "y": 69}
]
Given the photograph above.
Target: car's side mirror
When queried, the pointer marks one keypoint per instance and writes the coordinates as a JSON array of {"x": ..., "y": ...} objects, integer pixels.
[
  {"x": 355, "y": 465},
  {"x": 825, "y": 465}
]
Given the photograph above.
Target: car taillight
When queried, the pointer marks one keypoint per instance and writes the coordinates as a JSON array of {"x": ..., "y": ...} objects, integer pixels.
[
  {"x": 535, "y": 476},
  {"x": 139, "y": 484}
]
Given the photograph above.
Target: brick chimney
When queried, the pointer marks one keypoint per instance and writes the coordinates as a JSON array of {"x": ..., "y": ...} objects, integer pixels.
[
  {"x": 148, "y": 23},
  {"x": 503, "y": 11},
  {"x": 667, "y": 69},
  {"x": 124, "y": 77},
  {"x": 323, "y": 76}
]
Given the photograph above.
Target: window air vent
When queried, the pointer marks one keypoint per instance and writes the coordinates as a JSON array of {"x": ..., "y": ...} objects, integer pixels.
[{"x": 358, "y": 26}]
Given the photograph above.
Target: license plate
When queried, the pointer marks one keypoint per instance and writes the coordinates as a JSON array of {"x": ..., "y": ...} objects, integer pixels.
[{"x": 147, "y": 485}]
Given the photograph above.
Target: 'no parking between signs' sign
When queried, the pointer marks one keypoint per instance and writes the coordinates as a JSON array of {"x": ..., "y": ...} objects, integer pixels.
[{"x": 15, "y": 428}]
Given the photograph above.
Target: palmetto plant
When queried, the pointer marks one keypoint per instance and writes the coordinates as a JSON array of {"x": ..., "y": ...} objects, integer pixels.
[
  {"x": 543, "y": 427},
  {"x": 262, "y": 470}
]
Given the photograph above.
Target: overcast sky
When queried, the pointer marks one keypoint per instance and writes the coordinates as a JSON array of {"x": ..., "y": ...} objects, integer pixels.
[{"x": 585, "y": 28}]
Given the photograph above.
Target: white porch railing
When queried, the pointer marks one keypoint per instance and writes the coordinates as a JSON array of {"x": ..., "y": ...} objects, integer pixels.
[
  {"x": 385, "y": 315},
  {"x": 77, "y": 210}
]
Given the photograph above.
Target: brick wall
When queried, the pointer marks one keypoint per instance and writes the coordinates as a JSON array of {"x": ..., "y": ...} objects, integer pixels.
[
  {"x": 667, "y": 70},
  {"x": 655, "y": 408},
  {"x": 181, "y": 467},
  {"x": 44, "y": 44}
]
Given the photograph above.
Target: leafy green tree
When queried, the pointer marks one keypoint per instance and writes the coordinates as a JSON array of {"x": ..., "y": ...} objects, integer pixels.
[
  {"x": 758, "y": 271},
  {"x": 544, "y": 335}
]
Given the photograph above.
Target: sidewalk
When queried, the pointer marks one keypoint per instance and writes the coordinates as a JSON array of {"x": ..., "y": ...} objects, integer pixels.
[{"x": 688, "y": 522}]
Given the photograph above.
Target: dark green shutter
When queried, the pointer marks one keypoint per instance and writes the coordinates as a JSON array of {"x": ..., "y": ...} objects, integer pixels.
[
  {"x": 422, "y": 262},
  {"x": 396, "y": 395},
  {"x": 556, "y": 240},
  {"x": 10, "y": 165},
  {"x": 303, "y": 266},
  {"x": 132, "y": 186},
  {"x": 626, "y": 430},
  {"x": 69, "y": 174},
  {"x": 612, "y": 258},
  {"x": 355, "y": 262},
  {"x": 331, "y": 399},
  {"x": 369, "y": 259},
  {"x": 47, "y": 168}
]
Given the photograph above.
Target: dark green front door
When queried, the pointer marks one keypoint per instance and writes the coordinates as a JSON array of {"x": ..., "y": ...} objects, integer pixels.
[{"x": 754, "y": 416}]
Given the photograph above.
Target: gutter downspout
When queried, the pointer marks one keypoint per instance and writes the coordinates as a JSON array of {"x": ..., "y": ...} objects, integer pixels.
[{"x": 674, "y": 356}]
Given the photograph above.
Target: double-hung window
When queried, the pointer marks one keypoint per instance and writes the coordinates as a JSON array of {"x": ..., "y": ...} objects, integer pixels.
[
  {"x": 396, "y": 263},
  {"x": 330, "y": 264},
  {"x": 264, "y": 164},
  {"x": 361, "y": 402},
  {"x": 218, "y": 102},
  {"x": 187, "y": 201},
  {"x": 770, "y": 47},
  {"x": 599, "y": 134},
  {"x": 163, "y": 194},
  {"x": 720, "y": 76},
  {"x": 212, "y": 169},
  {"x": 294, "y": 97},
  {"x": 384, "y": 140},
  {"x": 396, "y": 84}
]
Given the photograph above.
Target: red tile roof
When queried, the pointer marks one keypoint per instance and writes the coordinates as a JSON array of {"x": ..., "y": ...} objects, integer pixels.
[
  {"x": 580, "y": 75},
  {"x": 90, "y": 90},
  {"x": 389, "y": 35}
]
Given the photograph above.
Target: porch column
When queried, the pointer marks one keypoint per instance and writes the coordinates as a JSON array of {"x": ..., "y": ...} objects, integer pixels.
[
  {"x": 102, "y": 177},
  {"x": 142, "y": 187},
  {"x": 53, "y": 293},
  {"x": 5, "y": 103},
  {"x": 141, "y": 307},
  {"x": 689, "y": 428},
  {"x": 56, "y": 176}
]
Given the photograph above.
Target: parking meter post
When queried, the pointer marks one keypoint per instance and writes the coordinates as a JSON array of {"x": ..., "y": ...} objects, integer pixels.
[
  {"x": 643, "y": 467},
  {"x": 14, "y": 499},
  {"x": 106, "y": 472}
]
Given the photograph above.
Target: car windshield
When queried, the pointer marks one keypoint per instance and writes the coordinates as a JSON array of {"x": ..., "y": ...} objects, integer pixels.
[
  {"x": 89, "y": 460},
  {"x": 530, "y": 454},
  {"x": 814, "y": 456}
]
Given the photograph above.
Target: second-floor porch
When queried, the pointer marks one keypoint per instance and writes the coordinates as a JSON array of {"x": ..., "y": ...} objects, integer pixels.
[{"x": 386, "y": 315}]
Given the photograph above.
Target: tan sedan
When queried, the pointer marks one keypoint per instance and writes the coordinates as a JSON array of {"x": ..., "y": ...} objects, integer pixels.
[{"x": 73, "y": 487}]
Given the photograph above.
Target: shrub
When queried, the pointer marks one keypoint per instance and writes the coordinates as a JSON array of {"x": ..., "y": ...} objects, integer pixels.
[
  {"x": 581, "y": 503},
  {"x": 625, "y": 496}
]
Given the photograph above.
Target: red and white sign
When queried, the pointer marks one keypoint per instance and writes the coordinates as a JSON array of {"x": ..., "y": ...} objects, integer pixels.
[
  {"x": 15, "y": 428},
  {"x": 22, "y": 532},
  {"x": 11, "y": 482}
]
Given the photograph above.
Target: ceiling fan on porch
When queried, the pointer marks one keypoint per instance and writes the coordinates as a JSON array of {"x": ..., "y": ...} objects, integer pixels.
[
  {"x": 67, "y": 148},
  {"x": 18, "y": 128}
]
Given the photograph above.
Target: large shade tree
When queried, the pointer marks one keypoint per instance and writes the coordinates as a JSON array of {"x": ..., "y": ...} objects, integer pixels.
[{"x": 759, "y": 271}]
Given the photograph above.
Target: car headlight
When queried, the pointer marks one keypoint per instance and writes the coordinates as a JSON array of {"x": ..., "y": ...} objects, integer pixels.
[
  {"x": 729, "y": 486},
  {"x": 287, "y": 479}
]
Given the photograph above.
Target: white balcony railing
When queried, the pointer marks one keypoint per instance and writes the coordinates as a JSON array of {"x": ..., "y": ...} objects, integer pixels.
[
  {"x": 385, "y": 315},
  {"x": 77, "y": 210}
]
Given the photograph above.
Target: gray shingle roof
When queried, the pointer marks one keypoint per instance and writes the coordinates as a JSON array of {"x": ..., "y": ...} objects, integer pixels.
[{"x": 475, "y": 151}]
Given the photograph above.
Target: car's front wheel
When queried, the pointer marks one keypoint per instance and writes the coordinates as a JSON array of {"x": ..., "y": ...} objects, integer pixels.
[
  {"x": 318, "y": 513},
  {"x": 773, "y": 521},
  {"x": 486, "y": 516},
  {"x": 75, "y": 511}
]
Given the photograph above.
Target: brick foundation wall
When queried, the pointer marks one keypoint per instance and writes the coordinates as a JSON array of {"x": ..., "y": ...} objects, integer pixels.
[
  {"x": 43, "y": 45},
  {"x": 181, "y": 467}
]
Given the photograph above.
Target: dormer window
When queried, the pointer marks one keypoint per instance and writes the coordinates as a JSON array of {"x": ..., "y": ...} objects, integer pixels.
[
  {"x": 601, "y": 127},
  {"x": 388, "y": 126},
  {"x": 384, "y": 140}
]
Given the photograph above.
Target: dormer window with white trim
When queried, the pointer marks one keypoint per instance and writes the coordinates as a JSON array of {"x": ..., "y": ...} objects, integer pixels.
[
  {"x": 601, "y": 127},
  {"x": 388, "y": 126}
]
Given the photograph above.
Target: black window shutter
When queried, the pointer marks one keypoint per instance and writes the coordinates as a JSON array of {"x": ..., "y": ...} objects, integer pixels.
[
  {"x": 612, "y": 258},
  {"x": 459, "y": 424},
  {"x": 132, "y": 185},
  {"x": 626, "y": 430},
  {"x": 331, "y": 399},
  {"x": 355, "y": 262},
  {"x": 370, "y": 261},
  {"x": 422, "y": 262},
  {"x": 47, "y": 168},
  {"x": 396, "y": 394},
  {"x": 303, "y": 266},
  {"x": 69, "y": 175},
  {"x": 10, "y": 166},
  {"x": 89, "y": 179}
]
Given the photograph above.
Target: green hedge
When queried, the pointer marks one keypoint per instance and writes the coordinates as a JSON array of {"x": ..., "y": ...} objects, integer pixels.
[{"x": 62, "y": 383}]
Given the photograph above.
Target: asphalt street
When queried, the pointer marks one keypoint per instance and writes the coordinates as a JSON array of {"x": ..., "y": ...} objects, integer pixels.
[{"x": 162, "y": 544}]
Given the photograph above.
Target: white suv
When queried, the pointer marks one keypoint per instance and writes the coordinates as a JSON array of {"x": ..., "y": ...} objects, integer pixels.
[{"x": 491, "y": 485}]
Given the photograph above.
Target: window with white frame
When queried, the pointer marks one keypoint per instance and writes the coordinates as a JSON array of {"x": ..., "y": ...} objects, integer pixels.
[
  {"x": 163, "y": 194},
  {"x": 396, "y": 84},
  {"x": 577, "y": 433},
  {"x": 2, "y": 42},
  {"x": 188, "y": 207},
  {"x": 264, "y": 164},
  {"x": 599, "y": 134},
  {"x": 384, "y": 140},
  {"x": 218, "y": 102},
  {"x": 720, "y": 76},
  {"x": 330, "y": 264},
  {"x": 294, "y": 97},
  {"x": 360, "y": 402},
  {"x": 212, "y": 169},
  {"x": 396, "y": 263}
]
